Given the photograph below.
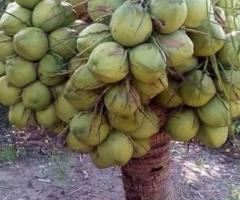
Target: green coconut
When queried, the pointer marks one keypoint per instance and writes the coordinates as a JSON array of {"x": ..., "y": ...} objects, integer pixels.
[
  {"x": 148, "y": 63},
  {"x": 30, "y": 4},
  {"x": 9, "y": 94},
  {"x": 235, "y": 108},
  {"x": 122, "y": 100},
  {"x": 229, "y": 55},
  {"x": 126, "y": 124},
  {"x": 74, "y": 144},
  {"x": 130, "y": 24},
  {"x": 183, "y": 125},
  {"x": 70, "y": 13},
  {"x": 83, "y": 79},
  {"x": 170, "y": 97},
  {"x": 63, "y": 42},
  {"x": 197, "y": 89},
  {"x": 19, "y": 115},
  {"x": 52, "y": 70},
  {"x": 48, "y": 15},
  {"x": 215, "y": 113},
  {"x": 101, "y": 10},
  {"x": 91, "y": 36},
  {"x": 57, "y": 90},
  {"x": 140, "y": 147},
  {"x": 188, "y": 65},
  {"x": 2, "y": 68},
  {"x": 80, "y": 99},
  {"x": 208, "y": 38},
  {"x": 6, "y": 46},
  {"x": 117, "y": 149},
  {"x": 229, "y": 84},
  {"x": 148, "y": 91},
  {"x": 229, "y": 6},
  {"x": 213, "y": 137},
  {"x": 197, "y": 12},
  {"x": 90, "y": 128},
  {"x": 149, "y": 126},
  {"x": 36, "y": 96},
  {"x": 108, "y": 62},
  {"x": 75, "y": 63},
  {"x": 14, "y": 19},
  {"x": 31, "y": 43},
  {"x": 20, "y": 72},
  {"x": 100, "y": 160},
  {"x": 169, "y": 14},
  {"x": 47, "y": 118},
  {"x": 177, "y": 46},
  {"x": 63, "y": 109}
]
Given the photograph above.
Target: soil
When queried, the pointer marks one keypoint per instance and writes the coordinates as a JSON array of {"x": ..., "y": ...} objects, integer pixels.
[{"x": 197, "y": 173}]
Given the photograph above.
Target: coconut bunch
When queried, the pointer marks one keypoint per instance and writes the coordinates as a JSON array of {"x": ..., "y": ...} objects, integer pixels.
[
  {"x": 177, "y": 55},
  {"x": 36, "y": 44}
]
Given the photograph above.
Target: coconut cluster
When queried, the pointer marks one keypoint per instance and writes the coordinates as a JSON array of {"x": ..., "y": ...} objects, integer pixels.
[{"x": 100, "y": 84}]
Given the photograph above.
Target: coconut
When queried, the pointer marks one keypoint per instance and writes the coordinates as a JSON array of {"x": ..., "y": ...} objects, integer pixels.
[
  {"x": 197, "y": 12},
  {"x": 108, "y": 62},
  {"x": 229, "y": 55},
  {"x": 57, "y": 90},
  {"x": 74, "y": 144},
  {"x": 170, "y": 97},
  {"x": 14, "y": 19},
  {"x": 6, "y": 46},
  {"x": 48, "y": 15},
  {"x": 52, "y": 70},
  {"x": 177, "y": 46},
  {"x": 122, "y": 100},
  {"x": 148, "y": 91},
  {"x": 126, "y": 124},
  {"x": 117, "y": 149},
  {"x": 100, "y": 160},
  {"x": 91, "y": 36},
  {"x": 80, "y": 99},
  {"x": 20, "y": 72},
  {"x": 208, "y": 38},
  {"x": 183, "y": 125},
  {"x": 63, "y": 42},
  {"x": 63, "y": 109},
  {"x": 19, "y": 115},
  {"x": 229, "y": 85},
  {"x": 36, "y": 96},
  {"x": 130, "y": 24},
  {"x": 148, "y": 63},
  {"x": 83, "y": 79},
  {"x": 235, "y": 108},
  {"x": 149, "y": 126},
  {"x": 101, "y": 10},
  {"x": 188, "y": 65},
  {"x": 47, "y": 118},
  {"x": 213, "y": 137},
  {"x": 70, "y": 14},
  {"x": 90, "y": 128},
  {"x": 9, "y": 94},
  {"x": 30, "y": 4},
  {"x": 140, "y": 147},
  {"x": 197, "y": 89},
  {"x": 169, "y": 14},
  {"x": 31, "y": 43},
  {"x": 215, "y": 113},
  {"x": 75, "y": 63},
  {"x": 2, "y": 68},
  {"x": 227, "y": 5}
]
